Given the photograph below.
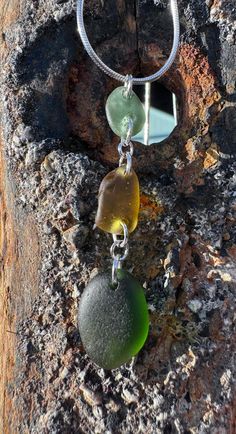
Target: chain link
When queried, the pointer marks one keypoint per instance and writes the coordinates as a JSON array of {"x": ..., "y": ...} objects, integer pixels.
[
  {"x": 126, "y": 154},
  {"x": 119, "y": 243}
]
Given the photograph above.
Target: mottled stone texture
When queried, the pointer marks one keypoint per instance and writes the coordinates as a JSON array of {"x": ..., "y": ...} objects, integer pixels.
[{"x": 56, "y": 147}]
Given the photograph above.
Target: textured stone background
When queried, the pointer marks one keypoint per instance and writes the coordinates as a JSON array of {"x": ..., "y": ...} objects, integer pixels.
[{"x": 55, "y": 149}]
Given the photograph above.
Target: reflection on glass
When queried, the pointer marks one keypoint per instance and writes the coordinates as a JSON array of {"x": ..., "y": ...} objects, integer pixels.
[{"x": 161, "y": 113}]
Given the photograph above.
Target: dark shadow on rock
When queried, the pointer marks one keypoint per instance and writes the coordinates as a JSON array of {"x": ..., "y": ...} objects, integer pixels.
[{"x": 221, "y": 132}]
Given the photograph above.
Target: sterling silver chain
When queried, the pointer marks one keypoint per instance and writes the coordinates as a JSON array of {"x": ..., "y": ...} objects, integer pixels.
[
  {"x": 116, "y": 75},
  {"x": 119, "y": 243}
]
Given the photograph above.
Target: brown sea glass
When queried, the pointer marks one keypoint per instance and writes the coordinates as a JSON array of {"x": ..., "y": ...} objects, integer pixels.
[{"x": 118, "y": 201}]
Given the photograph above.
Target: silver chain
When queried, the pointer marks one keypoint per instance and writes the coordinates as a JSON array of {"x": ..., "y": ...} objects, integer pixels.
[
  {"x": 119, "y": 243},
  {"x": 123, "y": 151},
  {"x": 116, "y": 75}
]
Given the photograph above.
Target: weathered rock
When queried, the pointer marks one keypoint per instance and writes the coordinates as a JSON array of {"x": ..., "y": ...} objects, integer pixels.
[{"x": 56, "y": 147}]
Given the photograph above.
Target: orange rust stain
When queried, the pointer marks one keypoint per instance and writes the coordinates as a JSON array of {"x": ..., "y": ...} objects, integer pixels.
[
  {"x": 190, "y": 150},
  {"x": 19, "y": 264},
  {"x": 215, "y": 259},
  {"x": 150, "y": 208},
  {"x": 9, "y": 12},
  {"x": 7, "y": 325},
  {"x": 199, "y": 81},
  {"x": 212, "y": 157}
]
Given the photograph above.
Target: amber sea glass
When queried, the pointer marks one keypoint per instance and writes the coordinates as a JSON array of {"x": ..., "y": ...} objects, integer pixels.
[{"x": 118, "y": 201}]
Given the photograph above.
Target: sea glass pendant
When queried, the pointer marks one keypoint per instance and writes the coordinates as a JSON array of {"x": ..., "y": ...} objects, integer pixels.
[
  {"x": 120, "y": 108},
  {"x": 118, "y": 201},
  {"x": 113, "y": 320}
]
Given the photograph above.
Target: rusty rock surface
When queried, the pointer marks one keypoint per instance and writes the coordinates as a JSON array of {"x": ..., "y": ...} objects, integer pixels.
[{"x": 56, "y": 148}]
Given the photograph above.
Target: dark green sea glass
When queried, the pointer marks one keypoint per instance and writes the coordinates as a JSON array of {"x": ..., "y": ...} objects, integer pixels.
[
  {"x": 120, "y": 108},
  {"x": 113, "y": 320}
]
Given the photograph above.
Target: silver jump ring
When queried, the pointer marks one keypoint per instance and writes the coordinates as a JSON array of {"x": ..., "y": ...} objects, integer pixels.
[
  {"x": 128, "y": 85},
  {"x": 126, "y": 236},
  {"x": 125, "y": 144},
  {"x": 114, "y": 256},
  {"x": 116, "y": 75},
  {"x": 116, "y": 266},
  {"x": 120, "y": 243},
  {"x": 128, "y": 158},
  {"x": 120, "y": 147}
]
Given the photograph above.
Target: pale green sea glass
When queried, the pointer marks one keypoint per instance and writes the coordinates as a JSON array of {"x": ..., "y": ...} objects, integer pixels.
[{"x": 120, "y": 108}]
